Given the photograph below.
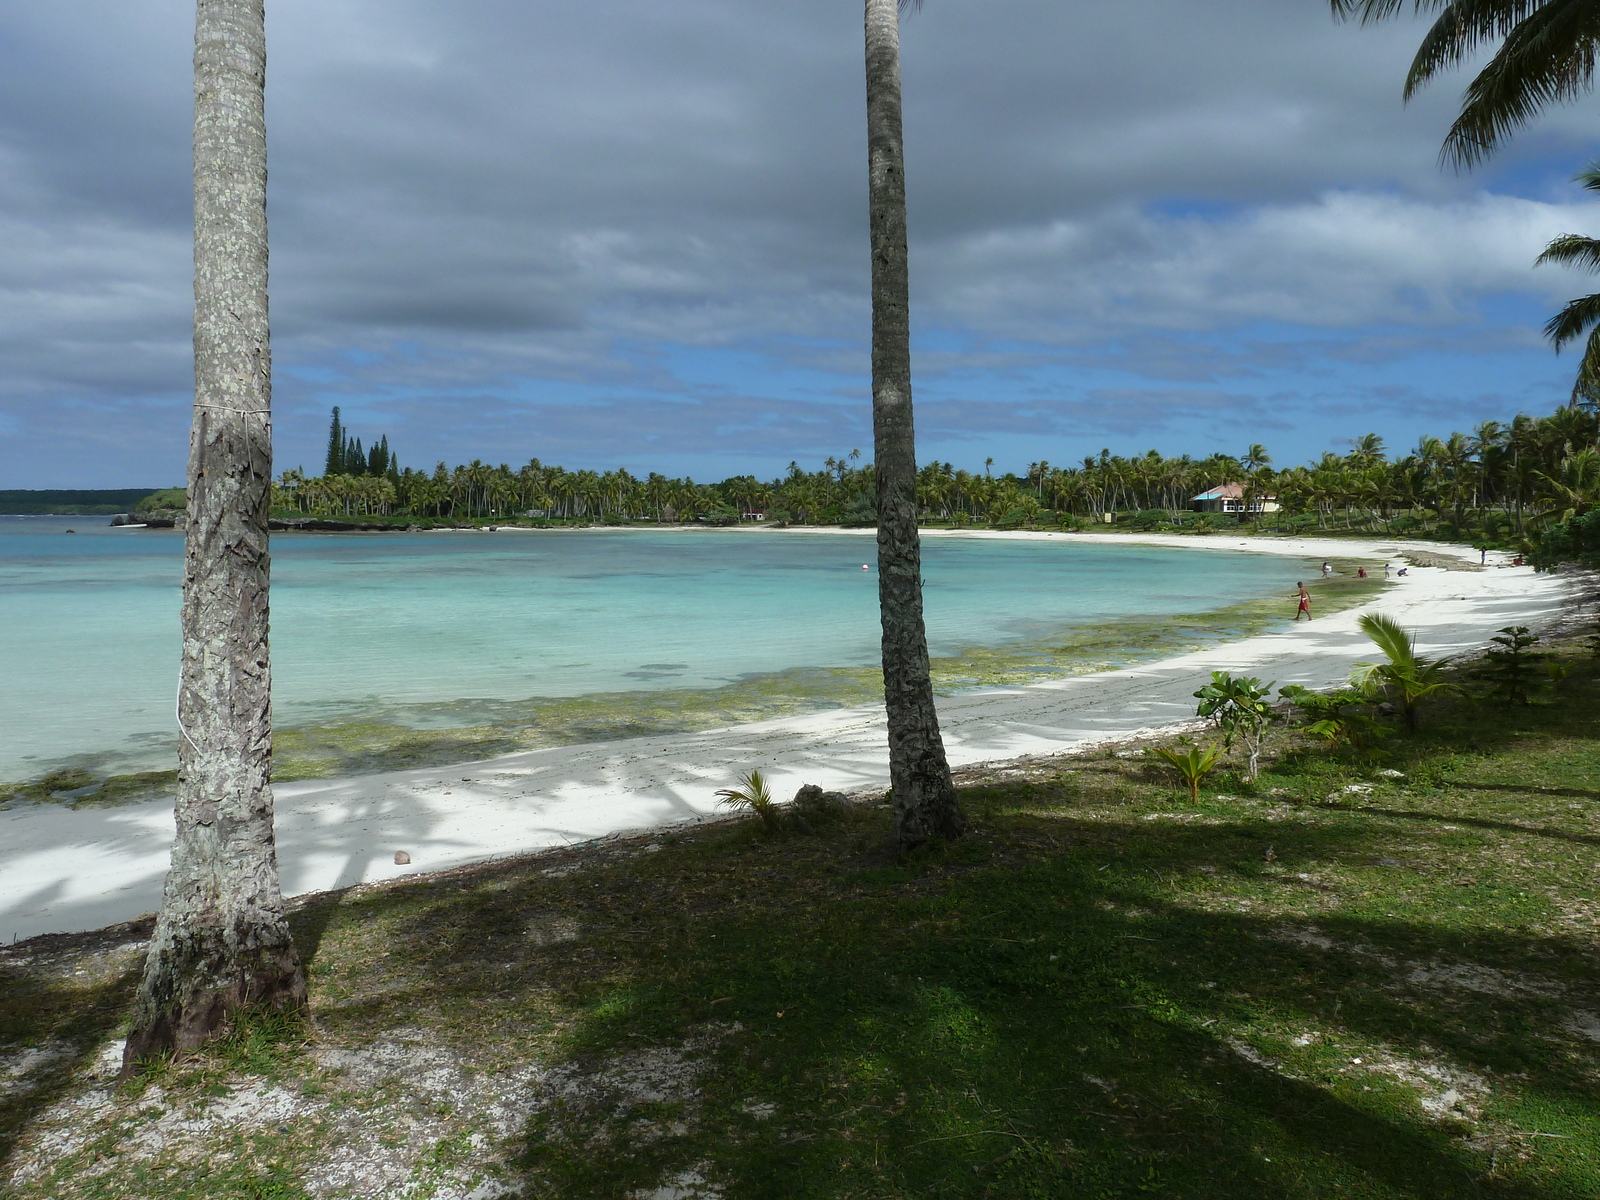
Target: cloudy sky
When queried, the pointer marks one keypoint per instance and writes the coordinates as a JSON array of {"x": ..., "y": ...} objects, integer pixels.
[{"x": 634, "y": 234}]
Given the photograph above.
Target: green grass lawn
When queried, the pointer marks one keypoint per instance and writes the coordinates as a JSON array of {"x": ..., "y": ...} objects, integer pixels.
[{"x": 1369, "y": 974}]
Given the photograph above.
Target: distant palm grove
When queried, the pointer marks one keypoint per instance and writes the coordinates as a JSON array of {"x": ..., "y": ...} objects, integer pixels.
[{"x": 1502, "y": 484}]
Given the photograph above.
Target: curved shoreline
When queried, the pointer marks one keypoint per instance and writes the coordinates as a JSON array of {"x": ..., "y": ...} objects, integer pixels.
[{"x": 64, "y": 870}]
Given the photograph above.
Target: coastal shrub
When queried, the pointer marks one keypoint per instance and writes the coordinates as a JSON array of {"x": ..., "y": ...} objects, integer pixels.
[
  {"x": 1192, "y": 763},
  {"x": 1150, "y": 518},
  {"x": 862, "y": 511},
  {"x": 1014, "y": 518},
  {"x": 1343, "y": 716},
  {"x": 1573, "y": 541},
  {"x": 164, "y": 500},
  {"x": 1241, "y": 709}
]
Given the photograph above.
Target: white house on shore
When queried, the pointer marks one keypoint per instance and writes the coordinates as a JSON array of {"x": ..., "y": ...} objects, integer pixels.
[{"x": 1229, "y": 498}]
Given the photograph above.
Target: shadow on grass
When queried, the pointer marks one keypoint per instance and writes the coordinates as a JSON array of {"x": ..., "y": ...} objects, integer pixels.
[
  {"x": 1524, "y": 790},
  {"x": 1585, "y": 839},
  {"x": 1050, "y": 1025},
  {"x": 53, "y": 1026}
]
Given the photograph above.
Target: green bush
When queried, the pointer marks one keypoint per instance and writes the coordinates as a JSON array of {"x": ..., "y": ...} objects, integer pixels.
[
  {"x": 861, "y": 512},
  {"x": 166, "y": 498},
  {"x": 1573, "y": 541}
]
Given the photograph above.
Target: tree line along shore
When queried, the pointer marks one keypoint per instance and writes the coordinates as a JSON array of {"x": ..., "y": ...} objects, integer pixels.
[{"x": 1529, "y": 485}]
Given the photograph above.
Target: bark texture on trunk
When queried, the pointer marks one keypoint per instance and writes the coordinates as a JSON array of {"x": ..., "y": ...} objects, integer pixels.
[
  {"x": 925, "y": 806},
  {"x": 221, "y": 941}
]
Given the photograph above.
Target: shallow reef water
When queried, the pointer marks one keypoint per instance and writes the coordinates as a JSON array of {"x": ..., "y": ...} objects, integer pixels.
[{"x": 395, "y": 650}]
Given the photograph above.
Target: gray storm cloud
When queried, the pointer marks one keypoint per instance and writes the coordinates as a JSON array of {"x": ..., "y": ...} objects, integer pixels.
[{"x": 490, "y": 199}]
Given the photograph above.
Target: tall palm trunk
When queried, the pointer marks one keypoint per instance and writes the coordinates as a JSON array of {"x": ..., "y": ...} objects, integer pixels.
[
  {"x": 925, "y": 805},
  {"x": 221, "y": 941}
]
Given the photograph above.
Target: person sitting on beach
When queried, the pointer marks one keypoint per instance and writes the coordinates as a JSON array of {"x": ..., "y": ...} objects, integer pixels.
[
  {"x": 1305, "y": 603},
  {"x": 1361, "y": 572},
  {"x": 1401, "y": 572}
]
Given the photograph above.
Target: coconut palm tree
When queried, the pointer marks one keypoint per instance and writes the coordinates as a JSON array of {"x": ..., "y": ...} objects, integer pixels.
[
  {"x": 925, "y": 804},
  {"x": 221, "y": 942}
]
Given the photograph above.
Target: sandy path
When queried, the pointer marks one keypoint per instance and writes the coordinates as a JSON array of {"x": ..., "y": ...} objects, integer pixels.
[{"x": 62, "y": 870}]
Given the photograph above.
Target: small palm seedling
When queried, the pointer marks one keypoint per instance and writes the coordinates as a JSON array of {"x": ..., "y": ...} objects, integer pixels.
[
  {"x": 752, "y": 795},
  {"x": 1192, "y": 763},
  {"x": 1407, "y": 677}
]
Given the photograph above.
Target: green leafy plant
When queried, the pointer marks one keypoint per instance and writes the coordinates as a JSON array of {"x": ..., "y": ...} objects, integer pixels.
[
  {"x": 1407, "y": 678},
  {"x": 1336, "y": 717},
  {"x": 1192, "y": 763},
  {"x": 1240, "y": 708},
  {"x": 753, "y": 795},
  {"x": 1510, "y": 666}
]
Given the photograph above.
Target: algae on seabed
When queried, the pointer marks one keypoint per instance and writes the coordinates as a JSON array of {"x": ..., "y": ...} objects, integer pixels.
[
  {"x": 353, "y": 747},
  {"x": 423, "y": 735}
]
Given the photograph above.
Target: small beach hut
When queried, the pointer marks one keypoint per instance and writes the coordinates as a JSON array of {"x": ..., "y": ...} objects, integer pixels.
[{"x": 1230, "y": 498}]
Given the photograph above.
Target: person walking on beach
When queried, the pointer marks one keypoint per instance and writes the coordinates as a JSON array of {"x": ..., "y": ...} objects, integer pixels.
[
  {"x": 1305, "y": 603},
  {"x": 1327, "y": 569}
]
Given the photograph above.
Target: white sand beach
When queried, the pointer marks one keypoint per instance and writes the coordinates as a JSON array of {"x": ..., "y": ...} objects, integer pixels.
[{"x": 63, "y": 870}]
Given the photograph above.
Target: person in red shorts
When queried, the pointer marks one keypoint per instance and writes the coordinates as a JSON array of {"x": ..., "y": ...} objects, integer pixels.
[{"x": 1305, "y": 603}]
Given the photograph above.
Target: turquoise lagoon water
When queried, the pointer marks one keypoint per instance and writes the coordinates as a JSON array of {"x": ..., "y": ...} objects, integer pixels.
[{"x": 367, "y": 624}]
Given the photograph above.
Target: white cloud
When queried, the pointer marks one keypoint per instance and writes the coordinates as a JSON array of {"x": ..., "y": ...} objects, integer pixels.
[{"x": 1340, "y": 260}]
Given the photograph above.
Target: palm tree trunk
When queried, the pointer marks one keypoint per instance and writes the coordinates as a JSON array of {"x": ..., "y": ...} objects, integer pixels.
[
  {"x": 221, "y": 941},
  {"x": 925, "y": 805}
]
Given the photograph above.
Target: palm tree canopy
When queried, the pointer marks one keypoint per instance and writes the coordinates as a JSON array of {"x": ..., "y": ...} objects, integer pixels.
[{"x": 1546, "y": 55}]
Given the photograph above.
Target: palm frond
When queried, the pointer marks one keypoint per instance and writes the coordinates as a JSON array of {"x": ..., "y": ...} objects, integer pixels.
[
  {"x": 1546, "y": 58},
  {"x": 1572, "y": 250},
  {"x": 1586, "y": 387},
  {"x": 1574, "y": 320},
  {"x": 1461, "y": 29},
  {"x": 1370, "y": 11},
  {"x": 1389, "y": 637},
  {"x": 1589, "y": 178}
]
